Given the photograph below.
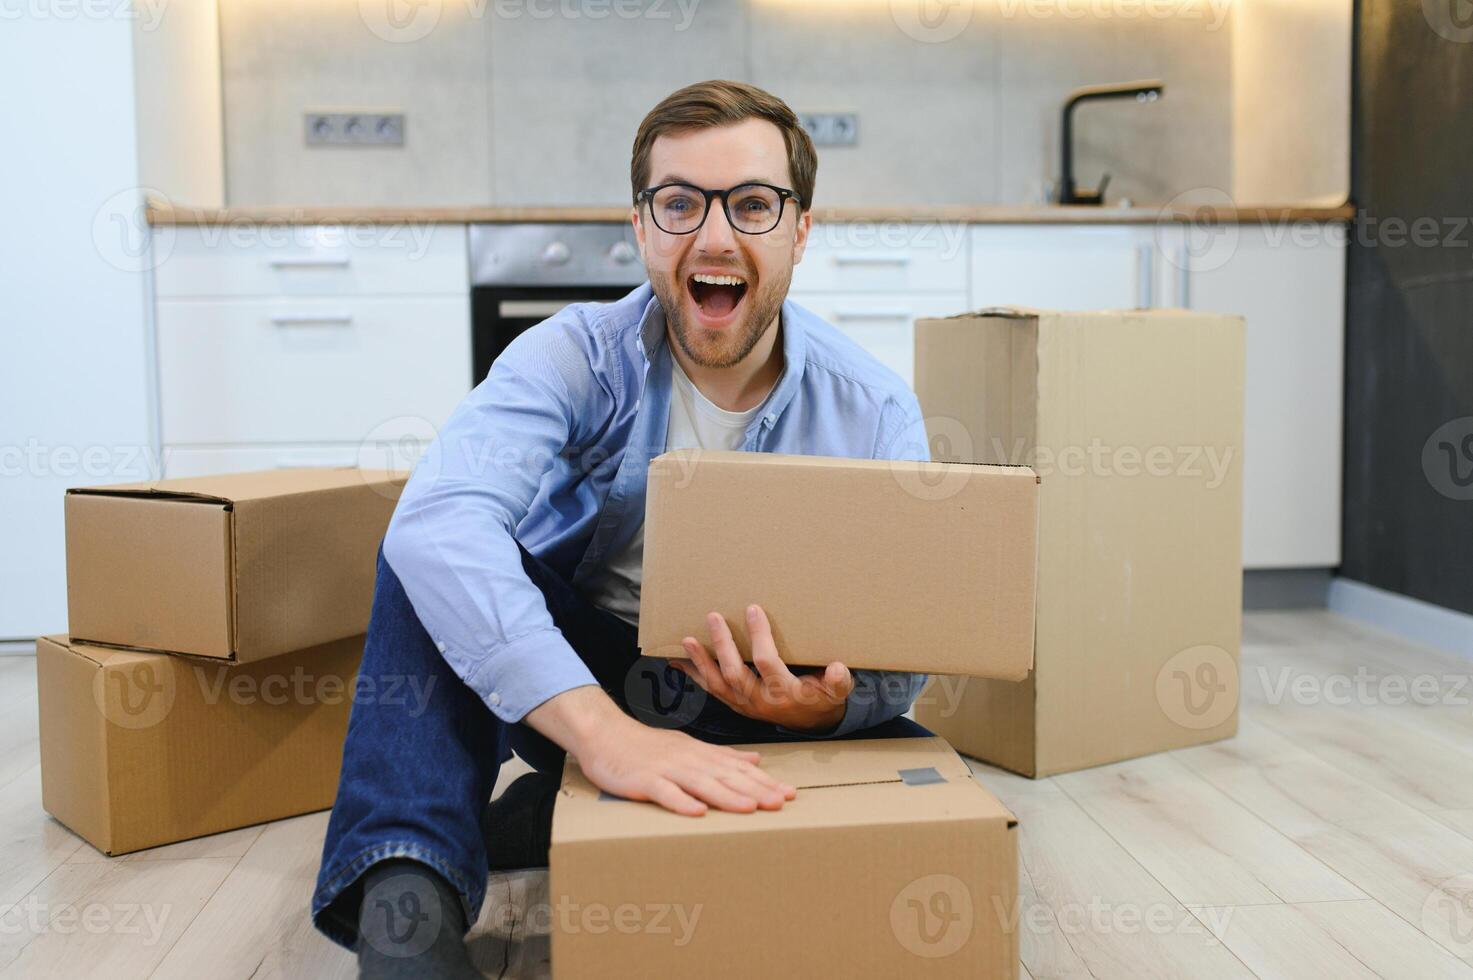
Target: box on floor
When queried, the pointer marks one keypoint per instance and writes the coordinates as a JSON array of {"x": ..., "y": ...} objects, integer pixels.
[
  {"x": 1134, "y": 422},
  {"x": 893, "y": 861},
  {"x": 140, "y": 749},
  {"x": 239, "y": 567},
  {"x": 889, "y": 565}
]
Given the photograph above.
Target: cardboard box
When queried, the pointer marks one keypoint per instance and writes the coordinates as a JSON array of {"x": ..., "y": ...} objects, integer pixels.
[
  {"x": 915, "y": 566},
  {"x": 140, "y": 749},
  {"x": 1134, "y": 422},
  {"x": 240, "y": 567},
  {"x": 893, "y": 861}
]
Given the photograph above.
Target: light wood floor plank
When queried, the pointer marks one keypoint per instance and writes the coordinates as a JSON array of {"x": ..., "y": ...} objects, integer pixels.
[
  {"x": 32, "y": 845},
  {"x": 1206, "y": 849}
]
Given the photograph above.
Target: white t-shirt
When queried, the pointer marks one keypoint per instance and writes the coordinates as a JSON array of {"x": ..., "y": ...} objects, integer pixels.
[{"x": 695, "y": 423}]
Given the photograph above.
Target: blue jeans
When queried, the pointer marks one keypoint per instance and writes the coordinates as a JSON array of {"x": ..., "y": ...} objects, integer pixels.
[{"x": 422, "y": 751}]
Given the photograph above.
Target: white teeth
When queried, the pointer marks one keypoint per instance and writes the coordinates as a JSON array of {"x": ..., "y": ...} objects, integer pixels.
[{"x": 719, "y": 280}]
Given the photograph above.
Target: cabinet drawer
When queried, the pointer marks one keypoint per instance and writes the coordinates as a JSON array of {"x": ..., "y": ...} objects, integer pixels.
[
  {"x": 884, "y": 257},
  {"x": 180, "y": 461},
  {"x": 883, "y": 323},
  {"x": 311, "y": 260},
  {"x": 1063, "y": 267},
  {"x": 308, "y": 370}
]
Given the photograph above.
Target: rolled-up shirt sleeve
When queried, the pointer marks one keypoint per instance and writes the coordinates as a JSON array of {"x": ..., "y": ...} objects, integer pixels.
[{"x": 452, "y": 540}]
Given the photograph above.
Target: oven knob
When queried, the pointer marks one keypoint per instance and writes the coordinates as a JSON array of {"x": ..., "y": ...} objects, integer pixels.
[
  {"x": 623, "y": 253},
  {"x": 556, "y": 253}
]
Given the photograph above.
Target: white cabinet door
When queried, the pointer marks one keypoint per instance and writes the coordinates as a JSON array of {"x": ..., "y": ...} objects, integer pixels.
[
  {"x": 881, "y": 257},
  {"x": 309, "y": 370},
  {"x": 269, "y": 259},
  {"x": 1290, "y": 287},
  {"x": 398, "y": 453},
  {"x": 883, "y": 323},
  {"x": 1063, "y": 267}
]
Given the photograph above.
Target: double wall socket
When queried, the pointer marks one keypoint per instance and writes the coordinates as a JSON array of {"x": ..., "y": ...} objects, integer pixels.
[
  {"x": 353, "y": 128},
  {"x": 831, "y": 128}
]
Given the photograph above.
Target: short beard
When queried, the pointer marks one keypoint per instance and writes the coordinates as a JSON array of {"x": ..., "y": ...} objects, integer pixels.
[{"x": 761, "y": 311}]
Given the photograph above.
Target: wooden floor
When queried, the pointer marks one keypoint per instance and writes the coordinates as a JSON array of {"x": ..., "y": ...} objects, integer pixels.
[{"x": 1332, "y": 838}]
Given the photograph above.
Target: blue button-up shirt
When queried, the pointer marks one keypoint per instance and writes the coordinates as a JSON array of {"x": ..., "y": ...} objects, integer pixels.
[{"x": 552, "y": 450}]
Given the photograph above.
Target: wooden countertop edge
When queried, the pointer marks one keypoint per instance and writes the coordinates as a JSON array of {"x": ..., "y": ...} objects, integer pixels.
[{"x": 163, "y": 215}]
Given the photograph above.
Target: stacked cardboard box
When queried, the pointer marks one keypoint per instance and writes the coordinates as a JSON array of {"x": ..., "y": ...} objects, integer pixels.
[
  {"x": 216, "y": 627},
  {"x": 892, "y": 860},
  {"x": 1134, "y": 423}
]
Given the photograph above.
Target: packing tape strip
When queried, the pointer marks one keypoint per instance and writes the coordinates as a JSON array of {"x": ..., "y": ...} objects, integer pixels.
[{"x": 920, "y": 777}]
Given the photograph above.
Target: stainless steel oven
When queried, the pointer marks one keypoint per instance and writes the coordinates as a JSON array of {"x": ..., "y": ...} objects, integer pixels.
[{"x": 523, "y": 273}]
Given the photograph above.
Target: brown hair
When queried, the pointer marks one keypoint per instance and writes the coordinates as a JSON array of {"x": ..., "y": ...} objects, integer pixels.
[{"x": 722, "y": 103}]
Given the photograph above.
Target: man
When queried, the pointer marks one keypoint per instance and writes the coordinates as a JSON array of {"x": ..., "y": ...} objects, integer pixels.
[{"x": 508, "y": 582}]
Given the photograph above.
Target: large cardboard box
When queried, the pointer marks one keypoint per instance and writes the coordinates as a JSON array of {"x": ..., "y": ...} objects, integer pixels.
[
  {"x": 140, "y": 749},
  {"x": 1134, "y": 422},
  {"x": 239, "y": 567},
  {"x": 891, "y": 862},
  {"x": 891, "y": 565}
]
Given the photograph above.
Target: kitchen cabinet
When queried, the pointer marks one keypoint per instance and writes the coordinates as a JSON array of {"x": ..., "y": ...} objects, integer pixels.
[
  {"x": 883, "y": 323},
  {"x": 1063, "y": 267},
  {"x": 303, "y": 345},
  {"x": 1288, "y": 282}
]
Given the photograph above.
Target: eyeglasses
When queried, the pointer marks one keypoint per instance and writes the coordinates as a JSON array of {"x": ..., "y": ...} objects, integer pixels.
[{"x": 681, "y": 209}]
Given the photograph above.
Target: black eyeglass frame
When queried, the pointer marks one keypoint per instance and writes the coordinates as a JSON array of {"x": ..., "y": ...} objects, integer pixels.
[{"x": 783, "y": 195}]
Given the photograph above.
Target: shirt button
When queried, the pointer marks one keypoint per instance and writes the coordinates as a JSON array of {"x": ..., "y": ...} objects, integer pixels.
[
  {"x": 440, "y": 645},
  {"x": 493, "y": 698}
]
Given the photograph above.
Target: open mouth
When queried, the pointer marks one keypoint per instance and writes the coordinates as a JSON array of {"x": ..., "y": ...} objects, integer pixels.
[{"x": 716, "y": 297}]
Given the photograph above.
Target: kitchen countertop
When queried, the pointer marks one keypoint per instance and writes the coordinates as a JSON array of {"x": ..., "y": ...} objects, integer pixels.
[{"x": 961, "y": 214}]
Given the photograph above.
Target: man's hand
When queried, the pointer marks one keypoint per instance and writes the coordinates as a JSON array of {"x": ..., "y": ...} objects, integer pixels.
[
  {"x": 627, "y": 758},
  {"x": 812, "y": 702}
]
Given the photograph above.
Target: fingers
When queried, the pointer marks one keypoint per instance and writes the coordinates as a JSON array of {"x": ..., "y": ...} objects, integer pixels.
[
  {"x": 777, "y": 679},
  {"x": 708, "y": 675},
  {"x": 675, "y": 799},
  {"x": 767, "y": 797},
  {"x": 838, "y": 683},
  {"x": 738, "y": 678},
  {"x": 714, "y": 791}
]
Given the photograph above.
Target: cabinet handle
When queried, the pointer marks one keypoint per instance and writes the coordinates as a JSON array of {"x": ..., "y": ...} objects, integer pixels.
[
  {"x": 871, "y": 258},
  {"x": 310, "y": 261},
  {"x": 1145, "y": 275},
  {"x": 872, "y": 315},
  {"x": 311, "y": 319}
]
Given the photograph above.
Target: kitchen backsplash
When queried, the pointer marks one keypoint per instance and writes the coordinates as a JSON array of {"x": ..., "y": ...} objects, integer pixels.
[{"x": 521, "y": 102}]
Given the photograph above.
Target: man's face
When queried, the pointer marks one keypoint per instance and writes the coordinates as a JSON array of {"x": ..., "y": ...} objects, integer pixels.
[{"x": 715, "y": 325}]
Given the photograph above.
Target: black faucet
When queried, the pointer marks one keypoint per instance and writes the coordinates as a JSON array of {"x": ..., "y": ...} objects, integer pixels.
[{"x": 1147, "y": 90}]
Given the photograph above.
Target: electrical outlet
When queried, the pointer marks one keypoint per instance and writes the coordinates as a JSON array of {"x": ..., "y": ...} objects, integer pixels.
[
  {"x": 831, "y": 128},
  {"x": 353, "y": 128}
]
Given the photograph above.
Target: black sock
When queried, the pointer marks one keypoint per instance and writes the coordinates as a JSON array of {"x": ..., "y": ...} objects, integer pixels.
[
  {"x": 411, "y": 924},
  {"x": 518, "y": 823}
]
